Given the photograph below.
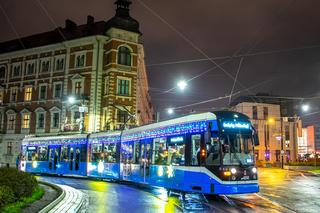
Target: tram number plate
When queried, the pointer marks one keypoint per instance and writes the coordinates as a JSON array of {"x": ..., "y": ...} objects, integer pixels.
[{"x": 245, "y": 178}]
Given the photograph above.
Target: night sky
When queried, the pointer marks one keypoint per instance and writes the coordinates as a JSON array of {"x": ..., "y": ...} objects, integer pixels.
[{"x": 282, "y": 39}]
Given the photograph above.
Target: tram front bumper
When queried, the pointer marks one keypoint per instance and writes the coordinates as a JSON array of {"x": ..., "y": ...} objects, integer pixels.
[{"x": 242, "y": 188}]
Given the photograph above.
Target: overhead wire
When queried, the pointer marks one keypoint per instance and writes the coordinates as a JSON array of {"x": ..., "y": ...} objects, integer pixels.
[
  {"x": 235, "y": 81},
  {"x": 51, "y": 19},
  {"x": 12, "y": 27},
  {"x": 267, "y": 52}
]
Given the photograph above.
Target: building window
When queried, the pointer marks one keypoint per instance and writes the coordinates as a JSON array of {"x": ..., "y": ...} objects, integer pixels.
[
  {"x": 80, "y": 60},
  {"x": 75, "y": 117},
  {"x": 255, "y": 112},
  {"x": 16, "y": 71},
  {"x": 45, "y": 66},
  {"x": 27, "y": 94},
  {"x": 11, "y": 121},
  {"x": 40, "y": 120},
  {"x": 78, "y": 88},
  {"x": 59, "y": 64},
  {"x": 265, "y": 113},
  {"x": 1, "y": 95},
  {"x": 25, "y": 121},
  {"x": 9, "y": 148},
  {"x": 122, "y": 116},
  {"x": 13, "y": 94},
  {"x": 42, "y": 92},
  {"x": 287, "y": 133},
  {"x": 2, "y": 72},
  {"x": 124, "y": 56},
  {"x": 55, "y": 121},
  {"x": 57, "y": 89},
  {"x": 123, "y": 87},
  {"x": 30, "y": 69}
]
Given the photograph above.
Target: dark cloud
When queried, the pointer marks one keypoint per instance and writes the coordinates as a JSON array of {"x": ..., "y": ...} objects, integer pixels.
[{"x": 218, "y": 28}]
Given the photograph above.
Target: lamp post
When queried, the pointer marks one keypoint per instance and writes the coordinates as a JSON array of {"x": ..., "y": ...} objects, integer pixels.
[{"x": 82, "y": 109}]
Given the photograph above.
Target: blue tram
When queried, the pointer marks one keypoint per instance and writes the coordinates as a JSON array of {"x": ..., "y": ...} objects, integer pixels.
[{"x": 209, "y": 153}]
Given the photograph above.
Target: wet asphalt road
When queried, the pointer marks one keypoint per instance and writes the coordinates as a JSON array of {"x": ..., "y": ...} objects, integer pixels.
[
  {"x": 285, "y": 191},
  {"x": 113, "y": 197},
  {"x": 280, "y": 191}
]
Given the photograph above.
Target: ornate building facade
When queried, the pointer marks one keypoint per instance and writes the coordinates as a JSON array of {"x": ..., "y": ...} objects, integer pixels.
[{"x": 88, "y": 78}]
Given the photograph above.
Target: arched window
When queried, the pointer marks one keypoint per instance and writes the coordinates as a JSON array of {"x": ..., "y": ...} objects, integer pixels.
[
  {"x": 124, "y": 56},
  {"x": 80, "y": 61}
]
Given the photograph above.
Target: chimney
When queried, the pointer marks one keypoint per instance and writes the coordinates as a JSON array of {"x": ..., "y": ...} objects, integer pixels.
[
  {"x": 70, "y": 25},
  {"x": 90, "y": 20}
]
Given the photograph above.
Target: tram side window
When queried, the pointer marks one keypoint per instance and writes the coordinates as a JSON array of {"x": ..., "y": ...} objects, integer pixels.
[
  {"x": 176, "y": 154},
  {"x": 195, "y": 149},
  {"x": 110, "y": 151},
  {"x": 127, "y": 153},
  {"x": 136, "y": 152},
  {"x": 32, "y": 155},
  {"x": 42, "y": 153},
  {"x": 159, "y": 150},
  {"x": 97, "y": 154},
  {"x": 213, "y": 154},
  {"x": 64, "y": 153}
]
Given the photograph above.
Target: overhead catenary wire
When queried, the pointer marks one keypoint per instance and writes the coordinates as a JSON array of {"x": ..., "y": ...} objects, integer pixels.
[
  {"x": 12, "y": 27},
  {"x": 235, "y": 80},
  {"x": 267, "y": 52},
  {"x": 51, "y": 19},
  {"x": 189, "y": 41}
]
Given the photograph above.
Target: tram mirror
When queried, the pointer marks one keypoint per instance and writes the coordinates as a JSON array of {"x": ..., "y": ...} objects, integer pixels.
[{"x": 256, "y": 140}]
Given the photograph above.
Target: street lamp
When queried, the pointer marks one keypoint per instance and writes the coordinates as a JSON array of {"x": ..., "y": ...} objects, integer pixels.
[
  {"x": 71, "y": 99},
  {"x": 82, "y": 110},
  {"x": 170, "y": 111},
  {"x": 182, "y": 85},
  {"x": 305, "y": 107}
]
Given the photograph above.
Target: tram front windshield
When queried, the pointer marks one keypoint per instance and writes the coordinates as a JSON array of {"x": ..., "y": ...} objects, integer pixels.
[{"x": 237, "y": 149}]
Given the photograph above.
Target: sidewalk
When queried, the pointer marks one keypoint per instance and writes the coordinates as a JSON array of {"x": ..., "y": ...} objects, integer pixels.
[{"x": 69, "y": 201}]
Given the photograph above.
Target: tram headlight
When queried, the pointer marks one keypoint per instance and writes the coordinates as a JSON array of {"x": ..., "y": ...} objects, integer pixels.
[
  {"x": 227, "y": 173},
  {"x": 254, "y": 170},
  {"x": 233, "y": 171},
  {"x": 34, "y": 164}
]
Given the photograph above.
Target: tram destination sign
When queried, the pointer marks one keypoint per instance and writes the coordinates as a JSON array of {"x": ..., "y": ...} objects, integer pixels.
[{"x": 236, "y": 125}]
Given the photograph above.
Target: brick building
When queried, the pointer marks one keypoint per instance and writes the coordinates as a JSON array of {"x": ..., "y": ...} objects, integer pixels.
[{"x": 91, "y": 75}]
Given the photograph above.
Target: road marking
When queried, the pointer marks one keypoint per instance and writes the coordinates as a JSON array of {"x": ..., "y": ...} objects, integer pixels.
[{"x": 273, "y": 202}]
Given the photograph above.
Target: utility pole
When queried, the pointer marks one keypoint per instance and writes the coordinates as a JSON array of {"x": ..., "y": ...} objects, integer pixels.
[{"x": 282, "y": 151}]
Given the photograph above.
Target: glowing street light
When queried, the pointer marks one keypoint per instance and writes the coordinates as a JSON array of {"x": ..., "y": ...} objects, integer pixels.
[
  {"x": 71, "y": 99},
  {"x": 305, "y": 107},
  {"x": 182, "y": 85},
  {"x": 170, "y": 111}
]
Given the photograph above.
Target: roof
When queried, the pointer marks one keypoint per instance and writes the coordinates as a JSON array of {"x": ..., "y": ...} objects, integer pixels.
[
  {"x": 36, "y": 140},
  {"x": 121, "y": 20}
]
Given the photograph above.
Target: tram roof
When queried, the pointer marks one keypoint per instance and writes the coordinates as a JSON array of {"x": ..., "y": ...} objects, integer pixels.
[
  {"x": 28, "y": 139},
  {"x": 208, "y": 116}
]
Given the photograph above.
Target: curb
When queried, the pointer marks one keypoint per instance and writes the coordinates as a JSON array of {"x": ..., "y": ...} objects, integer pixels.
[
  {"x": 56, "y": 201},
  {"x": 66, "y": 198}
]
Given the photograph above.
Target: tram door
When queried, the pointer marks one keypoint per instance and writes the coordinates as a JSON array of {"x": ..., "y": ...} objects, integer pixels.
[
  {"x": 145, "y": 158},
  {"x": 74, "y": 158},
  {"x": 53, "y": 157}
]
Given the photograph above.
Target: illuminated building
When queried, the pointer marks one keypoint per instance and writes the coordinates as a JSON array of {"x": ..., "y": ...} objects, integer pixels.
[
  {"x": 100, "y": 64},
  {"x": 272, "y": 117}
]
